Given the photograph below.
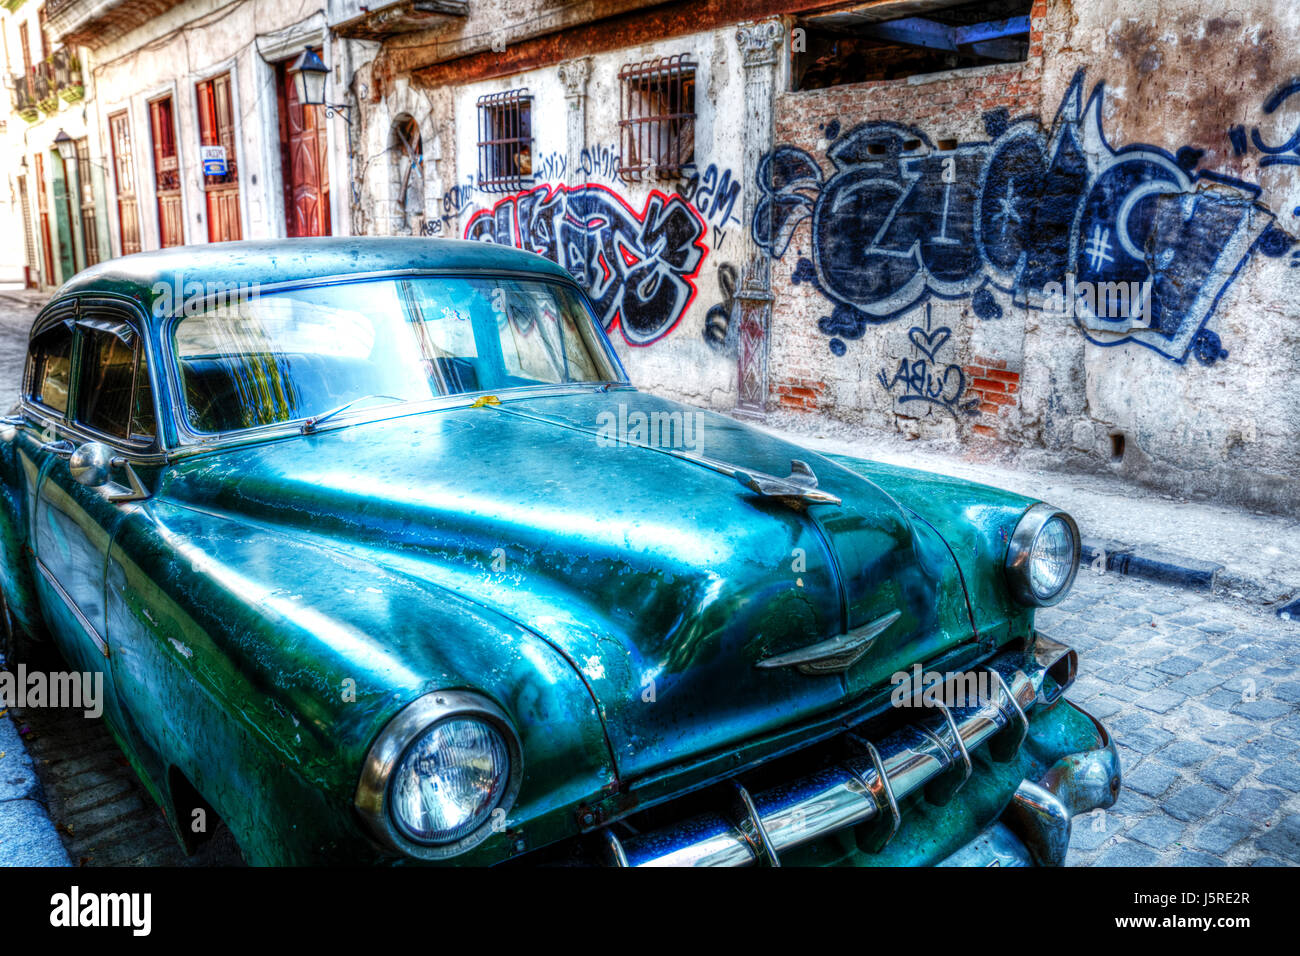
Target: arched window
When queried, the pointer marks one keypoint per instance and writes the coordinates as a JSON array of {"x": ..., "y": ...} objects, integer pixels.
[{"x": 406, "y": 150}]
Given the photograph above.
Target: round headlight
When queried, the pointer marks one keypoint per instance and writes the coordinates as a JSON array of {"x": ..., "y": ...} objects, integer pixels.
[
  {"x": 439, "y": 773},
  {"x": 1043, "y": 556},
  {"x": 449, "y": 781}
]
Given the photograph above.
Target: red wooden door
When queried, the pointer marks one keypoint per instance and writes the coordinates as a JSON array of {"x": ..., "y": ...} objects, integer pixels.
[
  {"x": 167, "y": 174},
  {"x": 217, "y": 128},
  {"x": 302, "y": 161},
  {"x": 128, "y": 215},
  {"x": 43, "y": 211}
]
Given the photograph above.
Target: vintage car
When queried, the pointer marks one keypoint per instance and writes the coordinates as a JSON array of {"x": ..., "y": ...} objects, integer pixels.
[{"x": 384, "y": 560}]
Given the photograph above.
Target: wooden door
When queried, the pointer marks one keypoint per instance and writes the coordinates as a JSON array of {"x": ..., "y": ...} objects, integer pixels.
[
  {"x": 86, "y": 194},
  {"x": 26, "y": 45},
  {"x": 29, "y": 244},
  {"x": 302, "y": 161},
  {"x": 43, "y": 212},
  {"x": 128, "y": 215},
  {"x": 217, "y": 128},
  {"x": 167, "y": 173}
]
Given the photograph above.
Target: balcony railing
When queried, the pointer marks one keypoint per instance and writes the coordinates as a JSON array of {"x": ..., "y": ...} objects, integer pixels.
[
  {"x": 93, "y": 23},
  {"x": 381, "y": 19},
  {"x": 39, "y": 91}
]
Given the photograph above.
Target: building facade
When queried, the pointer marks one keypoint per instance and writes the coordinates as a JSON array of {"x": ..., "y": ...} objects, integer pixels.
[{"x": 1047, "y": 225}]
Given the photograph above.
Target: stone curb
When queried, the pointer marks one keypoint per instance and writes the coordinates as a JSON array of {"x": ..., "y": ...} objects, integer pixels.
[
  {"x": 27, "y": 834},
  {"x": 1149, "y": 563}
]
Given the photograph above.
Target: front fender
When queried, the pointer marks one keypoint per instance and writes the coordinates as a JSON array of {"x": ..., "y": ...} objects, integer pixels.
[
  {"x": 977, "y": 522},
  {"x": 262, "y": 665}
]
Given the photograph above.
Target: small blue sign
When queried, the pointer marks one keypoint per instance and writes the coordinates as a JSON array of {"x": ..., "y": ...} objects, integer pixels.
[{"x": 214, "y": 160}]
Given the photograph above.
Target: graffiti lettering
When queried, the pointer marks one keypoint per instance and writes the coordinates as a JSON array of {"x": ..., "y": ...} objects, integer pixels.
[
  {"x": 927, "y": 378},
  {"x": 898, "y": 221},
  {"x": 638, "y": 268},
  {"x": 1286, "y": 153},
  {"x": 718, "y": 331}
]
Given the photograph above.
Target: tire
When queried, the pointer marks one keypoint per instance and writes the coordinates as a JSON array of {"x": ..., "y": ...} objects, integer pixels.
[
  {"x": 8, "y": 635},
  {"x": 15, "y": 643}
]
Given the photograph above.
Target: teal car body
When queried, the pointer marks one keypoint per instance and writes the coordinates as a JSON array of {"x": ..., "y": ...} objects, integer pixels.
[{"x": 691, "y": 652}]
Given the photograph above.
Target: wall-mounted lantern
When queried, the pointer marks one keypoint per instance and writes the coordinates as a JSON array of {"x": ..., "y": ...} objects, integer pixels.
[
  {"x": 66, "y": 146},
  {"x": 309, "y": 73}
]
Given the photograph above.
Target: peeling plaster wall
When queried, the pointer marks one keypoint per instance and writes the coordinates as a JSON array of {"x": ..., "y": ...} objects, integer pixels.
[
  {"x": 1137, "y": 157},
  {"x": 1086, "y": 255}
]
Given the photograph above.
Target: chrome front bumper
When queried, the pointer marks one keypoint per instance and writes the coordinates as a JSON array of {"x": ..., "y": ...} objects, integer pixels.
[
  {"x": 1035, "y": 829},
  {"x": 930, "y": 756}
]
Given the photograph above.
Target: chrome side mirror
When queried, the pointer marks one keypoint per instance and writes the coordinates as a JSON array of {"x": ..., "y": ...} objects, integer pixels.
[{"x": 91, "y": 464}]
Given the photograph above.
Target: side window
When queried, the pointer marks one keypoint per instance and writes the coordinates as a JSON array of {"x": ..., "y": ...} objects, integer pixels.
[
  {"x": 113, "y": 394},
  {"x": 142, "y": 419},
  {"x": 50, "y": 368}
]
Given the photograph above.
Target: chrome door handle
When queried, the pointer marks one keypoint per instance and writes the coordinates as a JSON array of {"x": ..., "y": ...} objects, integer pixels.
[{"x": 60, "y": 449}]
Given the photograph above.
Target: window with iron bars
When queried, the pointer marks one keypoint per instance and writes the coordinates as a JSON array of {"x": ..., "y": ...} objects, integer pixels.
[
  {"x": 505, "y": 141},
  {"x": 657, "y": 118}
]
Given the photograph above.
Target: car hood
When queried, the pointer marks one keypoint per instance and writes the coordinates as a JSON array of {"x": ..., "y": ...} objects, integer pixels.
[{"x": 663, "y": 582}]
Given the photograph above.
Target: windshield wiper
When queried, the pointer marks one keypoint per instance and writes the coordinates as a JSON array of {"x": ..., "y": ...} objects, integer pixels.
[{"x": 311, "y": 424}]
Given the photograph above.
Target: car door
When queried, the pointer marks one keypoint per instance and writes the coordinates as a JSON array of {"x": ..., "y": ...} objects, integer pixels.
[{"x": 110, "y": 405}]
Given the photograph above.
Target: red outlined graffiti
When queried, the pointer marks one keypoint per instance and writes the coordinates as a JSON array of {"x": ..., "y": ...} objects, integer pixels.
[{"x": 639, "y": 268}]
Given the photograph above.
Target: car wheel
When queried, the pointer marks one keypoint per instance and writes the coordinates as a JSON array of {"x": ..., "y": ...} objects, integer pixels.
[
  {"x": 15, "y": 643},
  {"x": 8, "y": 634}
]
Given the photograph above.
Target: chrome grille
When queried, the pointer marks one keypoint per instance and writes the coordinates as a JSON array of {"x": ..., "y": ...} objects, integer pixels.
[{"x": 863, "y": 791}]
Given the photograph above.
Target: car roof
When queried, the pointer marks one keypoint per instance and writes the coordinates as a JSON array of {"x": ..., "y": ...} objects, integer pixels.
[{"x": 277, "y": 261}]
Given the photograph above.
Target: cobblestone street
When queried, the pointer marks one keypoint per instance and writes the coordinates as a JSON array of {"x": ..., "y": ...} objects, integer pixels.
[
  {"x": 1199, "y": 692},
  {"x": 1201, "y": 696}
]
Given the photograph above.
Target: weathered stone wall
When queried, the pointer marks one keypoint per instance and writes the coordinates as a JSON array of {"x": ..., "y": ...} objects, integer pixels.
[
  {"x": 1088, "y": 253},
  {"x": 660, "y": 259}
]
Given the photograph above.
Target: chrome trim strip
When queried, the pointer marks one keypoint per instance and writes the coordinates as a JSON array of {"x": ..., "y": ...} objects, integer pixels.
[
  {"x": 751, "y": 826},
  {"x": 614, "y": 849},
  {"x": 876, "y": 836},
  {"x": 89, "y": 628}
]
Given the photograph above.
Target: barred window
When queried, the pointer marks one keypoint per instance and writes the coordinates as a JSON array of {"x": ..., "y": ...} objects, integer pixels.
[
  {"x": 657, "y": 118},
  {"x": 505, "y": 141}
]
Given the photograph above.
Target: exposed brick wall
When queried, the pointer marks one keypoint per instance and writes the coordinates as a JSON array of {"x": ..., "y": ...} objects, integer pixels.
[
  {"x": 799, "y": 394},
  {"x": 998, "y": 390},
  {"x": 803, "y": 374}
]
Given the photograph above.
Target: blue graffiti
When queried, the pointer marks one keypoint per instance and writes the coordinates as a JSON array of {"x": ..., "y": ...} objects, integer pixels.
[
  {"x": 898, "y": 221},
  {"x": 1287, "y": 153},
  {"x": 928, "y": 378},
  {"x": 713, "y": 192}
]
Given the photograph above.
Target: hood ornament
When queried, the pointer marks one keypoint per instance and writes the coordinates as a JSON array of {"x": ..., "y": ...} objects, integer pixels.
[
  {"x": 837, "y": 654},
  {"x": 800, "y": 485}
]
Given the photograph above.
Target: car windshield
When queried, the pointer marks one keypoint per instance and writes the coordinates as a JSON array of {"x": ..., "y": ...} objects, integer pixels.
[{"x": 300, "y": 353}]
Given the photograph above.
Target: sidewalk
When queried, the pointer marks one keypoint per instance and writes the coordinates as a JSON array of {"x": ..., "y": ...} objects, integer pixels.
[
  {"x": 1166, "y": 538},
  {"x": 27, "y": 836}
]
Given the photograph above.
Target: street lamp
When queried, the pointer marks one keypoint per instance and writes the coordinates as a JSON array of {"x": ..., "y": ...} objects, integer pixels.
[
  {"x": 66, "y": 146},
  {"x": 309, "y": 72}
]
